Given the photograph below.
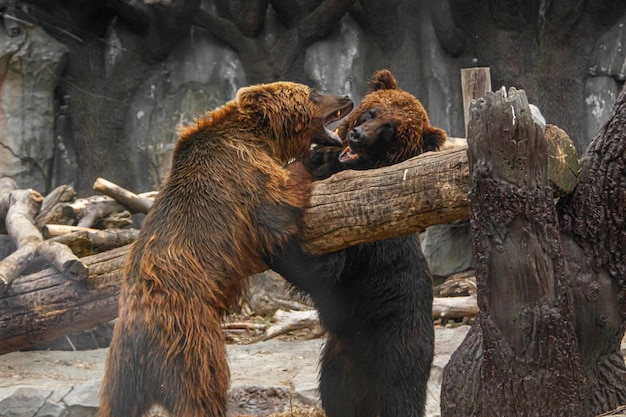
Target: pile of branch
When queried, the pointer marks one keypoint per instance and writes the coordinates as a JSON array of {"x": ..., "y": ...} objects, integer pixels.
[{"x": 62, "y": 229}]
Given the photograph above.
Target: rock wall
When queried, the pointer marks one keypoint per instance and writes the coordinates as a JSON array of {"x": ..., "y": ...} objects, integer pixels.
[
  {"x": 95, "y": 89},
  {"x": 31, "y": 63}
]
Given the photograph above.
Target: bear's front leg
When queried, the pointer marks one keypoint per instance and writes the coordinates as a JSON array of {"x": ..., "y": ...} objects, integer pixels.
[{"x": 279, "y": 218}]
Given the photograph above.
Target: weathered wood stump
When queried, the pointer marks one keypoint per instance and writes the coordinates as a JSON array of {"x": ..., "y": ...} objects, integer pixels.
[
  {"x": 592, "y": 223},
  {"x": 537, "y": 346}
]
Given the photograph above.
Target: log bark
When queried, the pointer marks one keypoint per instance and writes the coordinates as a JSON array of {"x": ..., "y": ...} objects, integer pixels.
[
  {"x": 123, "y": 196},
  {"x": 92, "y": 241},
  {"x": 52, "y": 208},
  {"x": 62, "y": 306},
  {"x": 593, "y": 235},
  {"x": 455, "y": 307},
  {"x": 532, "y": 331},
  {"x": 360, "y": 207}
]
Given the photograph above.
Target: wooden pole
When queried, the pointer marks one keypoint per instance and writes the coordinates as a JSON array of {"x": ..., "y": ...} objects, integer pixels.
[{"x": 475, "y": 83}]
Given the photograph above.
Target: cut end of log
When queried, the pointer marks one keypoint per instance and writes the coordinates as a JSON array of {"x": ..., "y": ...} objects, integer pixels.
[
  {"x": 75, "y": 270},
  {"x": 563, "y": 167}
]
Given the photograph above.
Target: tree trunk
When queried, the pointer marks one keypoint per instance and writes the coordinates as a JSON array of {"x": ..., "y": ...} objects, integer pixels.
[
  {"x": 593, "y": 236},
  {"x": 535, "y": 349}
]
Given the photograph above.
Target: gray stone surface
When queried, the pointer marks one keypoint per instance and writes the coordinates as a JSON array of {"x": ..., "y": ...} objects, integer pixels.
[
  {"x": 600, "y": 95},
  {"x": 32, "y": 62},
  {"x": 266, "y": 377},
  {"x": 447, "y": 248},
  {"x": 609, "y": 54}
]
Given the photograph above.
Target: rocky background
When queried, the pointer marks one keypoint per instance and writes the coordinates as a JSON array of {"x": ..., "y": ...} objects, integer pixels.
[{"x": 97, "y": 88}]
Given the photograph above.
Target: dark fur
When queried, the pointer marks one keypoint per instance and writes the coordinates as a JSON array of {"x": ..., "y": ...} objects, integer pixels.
[
  {"x": 375, "y": 299},
  {"x": 227, "y": 202}
]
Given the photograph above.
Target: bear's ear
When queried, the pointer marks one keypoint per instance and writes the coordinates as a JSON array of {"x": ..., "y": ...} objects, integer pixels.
[
  {"x": 433, "y": 138},
  {"x": 382, "y": 80},
  {"x": 254, "y": 97},
  {"x": 262, "y": 101}
]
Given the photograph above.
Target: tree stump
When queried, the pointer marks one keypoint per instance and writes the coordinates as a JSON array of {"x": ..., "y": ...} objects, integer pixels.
[
  {"x": 593, "y": 235},
  {"x": 537, "y": 347}
]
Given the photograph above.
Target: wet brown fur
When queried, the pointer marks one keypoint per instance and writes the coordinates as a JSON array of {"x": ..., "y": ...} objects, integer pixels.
[{"x": 226, "y": 202}]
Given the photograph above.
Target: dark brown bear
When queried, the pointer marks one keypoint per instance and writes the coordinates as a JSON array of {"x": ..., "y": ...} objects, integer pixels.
[
  {"x": 375, "y": 299},
  {"x": 227, "y": 202}
]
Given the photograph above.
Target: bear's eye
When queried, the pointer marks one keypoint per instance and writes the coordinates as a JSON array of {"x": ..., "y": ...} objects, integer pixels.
[
  {"x": 368, "y": 115},
  {"x": 374, "y": 112}
]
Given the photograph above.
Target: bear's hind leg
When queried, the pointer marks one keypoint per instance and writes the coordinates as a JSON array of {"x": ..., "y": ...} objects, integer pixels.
[
  {"x": 345, "y": 390},
  {"x": 403, "y": 368},
  {"x": 142, "y": 378}
]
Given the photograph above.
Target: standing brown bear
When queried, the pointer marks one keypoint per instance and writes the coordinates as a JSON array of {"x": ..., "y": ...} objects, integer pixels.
[
  {"x": 375, "y": 300},
  {"x": 227, "y": 202}
]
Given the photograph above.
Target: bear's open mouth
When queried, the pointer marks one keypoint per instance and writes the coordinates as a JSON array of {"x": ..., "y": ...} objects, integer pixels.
[
  {"x": 336, "y": 115},
  {"x": 348, "y": 155}
]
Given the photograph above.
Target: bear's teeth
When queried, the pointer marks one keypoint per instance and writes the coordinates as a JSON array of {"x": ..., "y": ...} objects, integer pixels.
[{"x": 348, "y": 154}]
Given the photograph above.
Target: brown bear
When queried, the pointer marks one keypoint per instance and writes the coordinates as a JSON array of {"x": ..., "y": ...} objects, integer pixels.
[
  {"x": 227, "y": 201},
  {"x": 375, "y": 300},
  {"x": 389, "y": 126}
]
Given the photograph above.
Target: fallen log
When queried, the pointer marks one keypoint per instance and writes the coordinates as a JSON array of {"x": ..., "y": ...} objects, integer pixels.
[
  {"x": 287, "y": 321},
  {"x": 360, "y": 207},
  {"x": 91, "y": 241},
  {"x": 53, "y": 209},
  {"x": 22, "y": 207},
  {"x": 351, "y": 207},
  {"x": 455, "y": 307},
  {"x": 123, "y": 196},
  {"x": 6, "y": 186},
  {"x": 54, "y": 230},
  {"x": 45, "y": 305},
  {"x": 89, "y": 211},
  {"x": 63, "y": 259}
]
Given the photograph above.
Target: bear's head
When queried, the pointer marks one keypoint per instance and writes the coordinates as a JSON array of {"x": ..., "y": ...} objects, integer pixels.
[
  {"x": 389, "y": 126},
  {"x": 293, "y": 115}
]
